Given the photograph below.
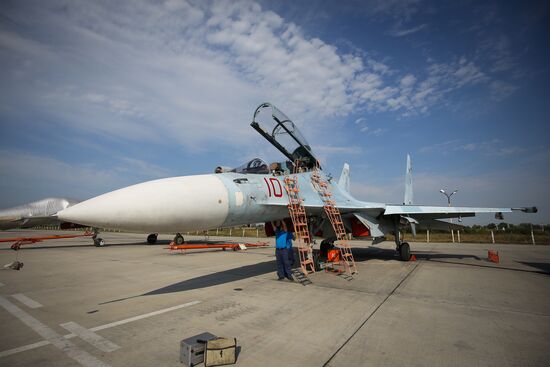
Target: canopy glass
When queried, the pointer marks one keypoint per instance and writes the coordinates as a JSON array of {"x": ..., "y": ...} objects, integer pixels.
[{"x": 280, "y": 131}]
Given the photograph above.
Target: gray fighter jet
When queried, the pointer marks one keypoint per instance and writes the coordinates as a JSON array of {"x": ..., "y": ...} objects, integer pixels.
[{"x": 255, "y": 192}]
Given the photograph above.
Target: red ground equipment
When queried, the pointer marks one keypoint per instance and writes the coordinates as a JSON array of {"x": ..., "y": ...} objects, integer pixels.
[
  {"x": 20, "y": 241},
  {"x": 223, "y": 246},
  {"x": 333, "y": 255},
  {"x": 492, "y": 256}
]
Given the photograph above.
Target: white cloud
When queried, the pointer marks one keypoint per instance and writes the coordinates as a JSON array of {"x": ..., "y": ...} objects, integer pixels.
[
  {"x": 379, "y": 131},
  {"x": 468, "y": 73},
  {"x": 402, "y": 9},
  {"x": 496, "y": 49},
  {"x": 494, "y": 147},
  {"x": 440, "y": 147},
  {"x": 399, "y": 32},
  {"x": 408, "y": 81},
  {"x": 500, "y": 90},
  {"x": 492, "y": 189},
  {"x": 32, "y": 176},
  {"x": 324, "y": 149},
  {"x": 187, "y": 71}
]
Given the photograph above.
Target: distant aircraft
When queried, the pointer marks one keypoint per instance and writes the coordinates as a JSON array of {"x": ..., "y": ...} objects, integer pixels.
[
  {"x": 37, "y": 213},
  {"x": 255, "y": 192}
]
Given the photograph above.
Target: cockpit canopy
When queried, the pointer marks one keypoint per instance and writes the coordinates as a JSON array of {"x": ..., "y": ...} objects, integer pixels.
[
  {"x": 254, "y": 166},
  {"x": 280, "y": 131}
]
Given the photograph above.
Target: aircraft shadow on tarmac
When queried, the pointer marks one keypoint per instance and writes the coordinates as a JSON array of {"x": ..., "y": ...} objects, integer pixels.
[
  {"x": 377, "y": 253},
  {"x": 210, "y": 280},
  {"x": 372, "y": 253},
  {"x": 222, "y": 277},
  {"x": 544, "y": 267},
  {"x": 249, "y": 271},
  {"x": 360, "y": 254}
]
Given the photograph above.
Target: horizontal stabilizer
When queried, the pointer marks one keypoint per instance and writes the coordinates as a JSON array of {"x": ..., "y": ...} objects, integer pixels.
[
  {"x": 532, "y": 209},
  {"x": 422, "y": 212}
]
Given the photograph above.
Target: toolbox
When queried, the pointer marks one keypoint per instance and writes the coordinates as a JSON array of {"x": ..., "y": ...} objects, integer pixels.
[
  {"x": 192, "y": 349},
  {"x": 220, "y": 352}
]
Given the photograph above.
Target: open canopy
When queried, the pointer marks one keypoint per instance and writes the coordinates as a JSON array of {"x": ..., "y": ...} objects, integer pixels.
[{"x": 280, "y": 131}]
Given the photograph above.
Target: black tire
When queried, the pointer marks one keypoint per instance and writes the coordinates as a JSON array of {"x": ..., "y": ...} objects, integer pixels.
[
  {"x": 324, "y": 247},
  {"x": 404, "y": 252},
  {"x": 178, "y": 239},
  {"x": 152, "y": 238},
  {"x": 98, "y": 242}
]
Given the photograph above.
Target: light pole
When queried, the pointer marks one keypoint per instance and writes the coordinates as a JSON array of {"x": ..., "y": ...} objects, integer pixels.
[{"x": 449, "y": 204}]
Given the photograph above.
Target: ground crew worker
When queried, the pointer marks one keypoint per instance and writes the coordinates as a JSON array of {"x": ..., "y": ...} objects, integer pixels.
[
  {"x": 281, "y": 250},
  {"x": 289, "y": 238}
]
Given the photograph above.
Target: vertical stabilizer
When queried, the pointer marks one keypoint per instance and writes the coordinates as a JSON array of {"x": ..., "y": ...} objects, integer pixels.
[
  {"x": 343, "y": 182},
  {"x": 408, "y": 199}
]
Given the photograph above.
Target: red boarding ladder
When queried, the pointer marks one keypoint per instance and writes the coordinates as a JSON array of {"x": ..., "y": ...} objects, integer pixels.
[
  {"x": 323, "y": 188},
  {"x": 299, "y": 220}
]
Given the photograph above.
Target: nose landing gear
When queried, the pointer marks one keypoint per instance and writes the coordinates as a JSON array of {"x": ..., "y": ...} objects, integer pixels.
[
  {"x": 98, "y": 242},
  {"x": 178, "y": 239}
]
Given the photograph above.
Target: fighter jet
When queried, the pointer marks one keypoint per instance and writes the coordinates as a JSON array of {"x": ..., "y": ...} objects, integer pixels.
[
  {"x": 256, "y": 192},
  {"x": 37, "y": 213}
]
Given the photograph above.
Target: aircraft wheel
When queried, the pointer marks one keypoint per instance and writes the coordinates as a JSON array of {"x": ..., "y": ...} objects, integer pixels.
[
  {"x": 152, "y": 238},
  {"x": 324, "y": 247},
  {"x": 404, "y": 252},
  {"x": 178, "y": 239},
  {"x": 98, "y": 242}
]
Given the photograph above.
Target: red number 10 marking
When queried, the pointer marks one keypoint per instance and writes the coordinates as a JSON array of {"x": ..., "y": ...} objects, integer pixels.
[{"x": 274, "y": 186}]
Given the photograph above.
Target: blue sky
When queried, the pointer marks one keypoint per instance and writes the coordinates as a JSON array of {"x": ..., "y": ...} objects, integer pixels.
[{"x": 98, "y": 95}]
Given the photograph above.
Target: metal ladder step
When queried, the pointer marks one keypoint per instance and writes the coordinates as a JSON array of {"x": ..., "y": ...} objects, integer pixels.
[{"x": 323, "y": 188}]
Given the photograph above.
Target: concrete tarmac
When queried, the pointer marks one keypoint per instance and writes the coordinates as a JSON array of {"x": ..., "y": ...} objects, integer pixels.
[{"x": 130, "y": 304}]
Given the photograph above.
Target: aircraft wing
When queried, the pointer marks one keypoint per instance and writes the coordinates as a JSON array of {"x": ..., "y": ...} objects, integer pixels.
[
  {"x": 344, "y": 208},
  {"x": 438, "y": 212},
  {"x": 432, "y": 224},
  {"x": 26, "y": 222}
]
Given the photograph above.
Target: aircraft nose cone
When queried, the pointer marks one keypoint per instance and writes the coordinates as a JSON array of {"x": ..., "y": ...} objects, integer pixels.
[{"x": 166, "y": 205}]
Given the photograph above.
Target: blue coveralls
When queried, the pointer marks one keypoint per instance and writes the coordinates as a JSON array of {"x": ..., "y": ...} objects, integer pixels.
[
  {"x": 281, "y": 254},
  {"x": 290, "y": 249}
]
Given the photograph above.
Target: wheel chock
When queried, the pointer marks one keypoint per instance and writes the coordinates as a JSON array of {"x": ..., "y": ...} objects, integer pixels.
[
  {"x": 412, "y": 258},
  {"x": 493, "y": 256}
]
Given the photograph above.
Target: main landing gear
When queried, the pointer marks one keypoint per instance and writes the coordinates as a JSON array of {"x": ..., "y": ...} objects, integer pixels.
[
  {"x": 178, "y": 239},
  {"x": 403, "y": 249},
  {"x": 152, "y": 238},
  {"x": 326, "y": 245}
]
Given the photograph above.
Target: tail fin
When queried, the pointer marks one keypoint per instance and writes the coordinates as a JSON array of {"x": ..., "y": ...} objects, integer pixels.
[
  {"x": 408, "y": 199},
  {"x": 343, "y": 182}
]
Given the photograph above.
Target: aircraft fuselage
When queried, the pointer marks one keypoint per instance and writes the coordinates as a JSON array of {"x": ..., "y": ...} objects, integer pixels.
[{"x": 200, "y": 202}]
